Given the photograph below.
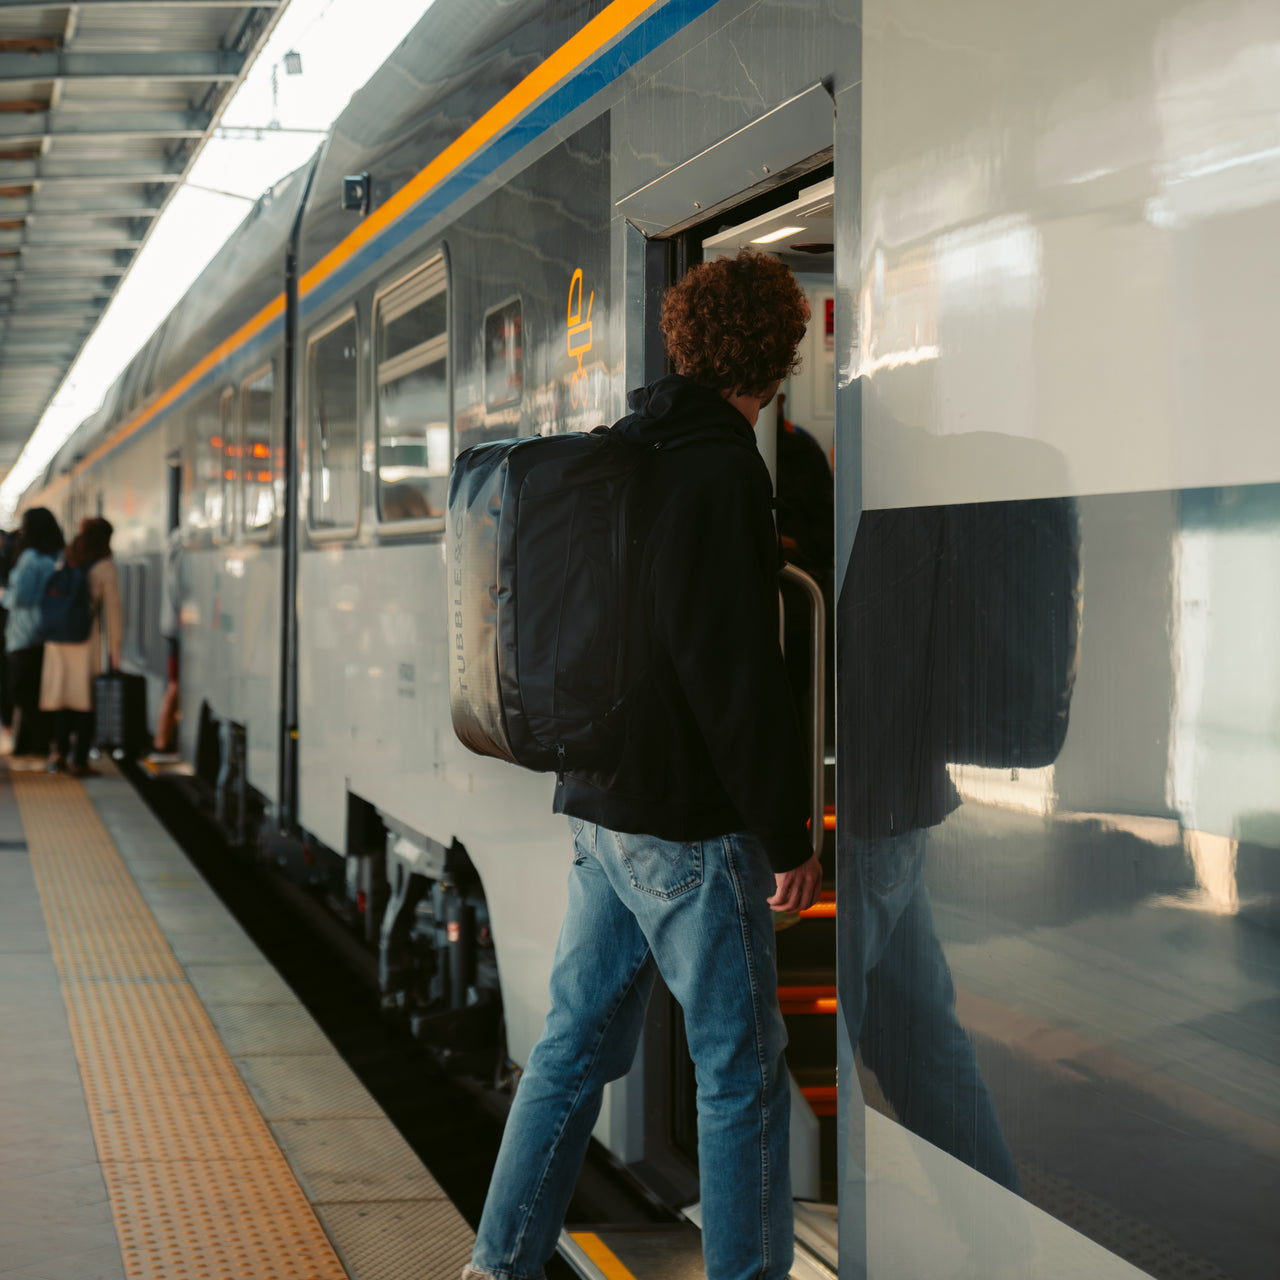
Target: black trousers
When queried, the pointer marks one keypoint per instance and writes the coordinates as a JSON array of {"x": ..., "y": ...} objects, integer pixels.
[
  {"x": 31, "y": 727},
  {"x": 6, "y": 701},
  {"x": 69, "y": 723}
]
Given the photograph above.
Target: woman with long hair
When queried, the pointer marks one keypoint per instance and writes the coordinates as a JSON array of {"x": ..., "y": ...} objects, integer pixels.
[
  {"x": 66, "y": 687},
  {"x": 41, "y": 541}
]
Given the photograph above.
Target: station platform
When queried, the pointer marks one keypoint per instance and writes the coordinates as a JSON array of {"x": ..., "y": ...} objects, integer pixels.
[{"x": 168, "y": 1110}]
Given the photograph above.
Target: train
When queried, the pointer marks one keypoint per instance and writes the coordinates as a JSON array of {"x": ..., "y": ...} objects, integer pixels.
[{"x": 1039, "y": 246}]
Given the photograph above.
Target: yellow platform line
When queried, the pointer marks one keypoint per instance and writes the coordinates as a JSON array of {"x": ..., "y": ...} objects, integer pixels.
[{"x": 199, "y": 1188}]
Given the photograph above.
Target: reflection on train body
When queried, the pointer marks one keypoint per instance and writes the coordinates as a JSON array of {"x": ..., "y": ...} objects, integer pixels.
[{"x": 1108, "y": 917}]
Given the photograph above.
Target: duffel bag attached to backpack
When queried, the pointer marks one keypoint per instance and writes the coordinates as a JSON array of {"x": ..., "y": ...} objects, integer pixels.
[{"x": 537, "y": 540}]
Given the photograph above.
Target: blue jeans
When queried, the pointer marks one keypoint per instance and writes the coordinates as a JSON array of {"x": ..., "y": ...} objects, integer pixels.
[
  {"x": 899, "y": 1004},
  {"x": 696, "y": 913}
]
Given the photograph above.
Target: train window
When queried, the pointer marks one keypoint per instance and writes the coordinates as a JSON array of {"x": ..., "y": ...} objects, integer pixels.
[
  {"x": 334, "y": 435},
  {"x": 187, "y": 485},
  {"x": 259, "y": 448},
  {"x": 226, "y": 523},
  {"x": 140, "y": 615},
  {"x": 503, "y": 356},
  {"x": 413, "y": 397},
  {"x": 124, "y": 573},
  {"x": 204, "y": 492},
  {"x": 134, "y": 610}
]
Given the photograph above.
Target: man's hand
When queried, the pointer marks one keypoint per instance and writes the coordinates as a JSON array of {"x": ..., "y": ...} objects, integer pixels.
[{"x": 798, "y": 888}]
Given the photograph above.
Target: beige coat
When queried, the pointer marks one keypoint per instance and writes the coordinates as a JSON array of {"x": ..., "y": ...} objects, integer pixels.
[{"x": 66, "y": 684}]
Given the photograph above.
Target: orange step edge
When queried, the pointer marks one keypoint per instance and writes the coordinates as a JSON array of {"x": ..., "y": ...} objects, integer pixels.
[
  {"x": 821, "y": 1098},
  {"x": 807, "y": 999}
]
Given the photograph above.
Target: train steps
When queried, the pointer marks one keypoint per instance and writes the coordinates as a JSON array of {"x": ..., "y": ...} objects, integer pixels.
[{"x": 673, "y": 1251}]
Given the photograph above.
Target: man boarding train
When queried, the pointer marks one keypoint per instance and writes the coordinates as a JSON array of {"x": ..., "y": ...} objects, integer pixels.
[{"x": 685, "y": 844}]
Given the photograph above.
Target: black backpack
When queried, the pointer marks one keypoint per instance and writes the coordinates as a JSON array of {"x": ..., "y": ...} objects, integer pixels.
[
  {"x": 66, "y": 613},
  {"x": 537, "y": 539}
]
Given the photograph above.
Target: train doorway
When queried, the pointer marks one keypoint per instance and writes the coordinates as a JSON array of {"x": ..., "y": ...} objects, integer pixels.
[{"x": 795, "y": 433}]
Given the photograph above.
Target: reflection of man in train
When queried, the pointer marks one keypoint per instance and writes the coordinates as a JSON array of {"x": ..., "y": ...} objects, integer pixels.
[
  {"x": 806, "y": 497},
  {"x": 806, "y": 530},
  {"x": 957, "y": 635},
  {"x": 683, "y": 848}
]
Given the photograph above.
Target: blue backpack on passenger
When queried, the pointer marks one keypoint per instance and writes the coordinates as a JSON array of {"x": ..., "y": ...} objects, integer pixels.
[{"x": 66, "y": 613}]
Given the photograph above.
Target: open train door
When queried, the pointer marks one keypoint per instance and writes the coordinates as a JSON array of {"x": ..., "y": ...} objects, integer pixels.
[
  {"x": 790, "y": 214},
  {"x": 167, "y": 716}
]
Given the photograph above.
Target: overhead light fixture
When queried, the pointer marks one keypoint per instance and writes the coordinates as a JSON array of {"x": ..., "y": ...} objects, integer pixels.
[
  {"x": 293, "y": 63},
  {"x": 777, "y": 235}
]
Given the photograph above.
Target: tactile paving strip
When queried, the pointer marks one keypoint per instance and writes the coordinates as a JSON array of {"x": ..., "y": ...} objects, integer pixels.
[{"x": 199, "y": 1187}]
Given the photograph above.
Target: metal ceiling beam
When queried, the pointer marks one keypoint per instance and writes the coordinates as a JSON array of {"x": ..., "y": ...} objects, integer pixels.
[
  {"x": 56, "y": 208},
  {"x": 15, "y": 421},
  {"x": 213, "y": 64},
  {"x": 21, "y": 400},
  {"x": 38, "y": 235},
  {"x": 44, "y": 285},
  {"x": 7, "y": 5},
  {"x": 11, "y": 304},
  {"x": 14, "y": 340},
  {"x": 45, "y": 249},
  {"x": 43, "y": 258},
  {"x": 104, "y": 125},
  {"x": 63, "y": 347},
  {"x": 141, "y": 169},
  {"x": 66, "y": 270},
  {"x": 47, "y": 307},
  {"x": 38, "y": 322}
]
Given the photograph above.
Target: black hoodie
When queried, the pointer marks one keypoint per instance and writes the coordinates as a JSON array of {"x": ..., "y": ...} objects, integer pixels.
[{"x": 713, "y": 741}]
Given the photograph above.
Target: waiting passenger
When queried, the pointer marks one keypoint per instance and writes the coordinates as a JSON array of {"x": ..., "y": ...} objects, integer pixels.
[
  {"x": 66, "y": 686},
  {"x": 41, "y": 542},
  {"x": 9, "y": 548},
  {"x": 682, "y": 848}
]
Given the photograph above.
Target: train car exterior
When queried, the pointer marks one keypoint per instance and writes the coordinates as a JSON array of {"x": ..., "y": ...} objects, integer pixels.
[{"x": 1040, "y": 249}]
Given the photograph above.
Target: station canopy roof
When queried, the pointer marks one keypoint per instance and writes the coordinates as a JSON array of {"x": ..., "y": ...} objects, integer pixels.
[{"x": 104, "y": 106}]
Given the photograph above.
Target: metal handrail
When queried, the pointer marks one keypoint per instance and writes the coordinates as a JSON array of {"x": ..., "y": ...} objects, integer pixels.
[{"x": 817, "y": 691}]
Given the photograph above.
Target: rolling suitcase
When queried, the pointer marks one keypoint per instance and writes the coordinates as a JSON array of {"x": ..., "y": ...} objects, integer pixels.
[{"x": 120, "y": 713}]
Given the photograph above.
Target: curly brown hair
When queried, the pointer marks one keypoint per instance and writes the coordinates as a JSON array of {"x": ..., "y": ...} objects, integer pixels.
[{"x": 734, "y": 324}]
